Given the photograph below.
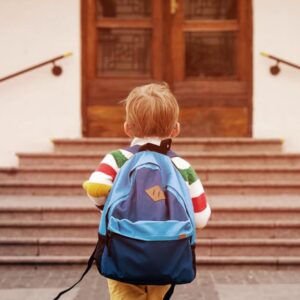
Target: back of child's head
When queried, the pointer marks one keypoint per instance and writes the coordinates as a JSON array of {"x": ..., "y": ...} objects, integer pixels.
[{"x": 151, "y": 110}]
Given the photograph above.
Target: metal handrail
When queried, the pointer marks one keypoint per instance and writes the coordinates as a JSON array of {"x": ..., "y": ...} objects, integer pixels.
[
  {"x": 275, "y": 69},
  {"x": 56, "y": 70}
]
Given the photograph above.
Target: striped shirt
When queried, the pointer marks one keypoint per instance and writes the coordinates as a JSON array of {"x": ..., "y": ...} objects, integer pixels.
[{"x": 109, "y": 167}]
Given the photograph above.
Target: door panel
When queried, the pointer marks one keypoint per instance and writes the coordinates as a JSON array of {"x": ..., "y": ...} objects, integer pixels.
[
  {"x": 202, "y": 48},
  {"x": 222, "y": 121},
  {"x": 121, "y": 42},
  {"x": 211, "y": 66}
]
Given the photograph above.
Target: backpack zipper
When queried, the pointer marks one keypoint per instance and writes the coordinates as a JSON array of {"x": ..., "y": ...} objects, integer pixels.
[{"x": 108, "y": 241}]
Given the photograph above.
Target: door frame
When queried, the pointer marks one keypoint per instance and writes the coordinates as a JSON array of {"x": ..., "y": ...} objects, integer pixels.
[{"x": 88, "y": 62}]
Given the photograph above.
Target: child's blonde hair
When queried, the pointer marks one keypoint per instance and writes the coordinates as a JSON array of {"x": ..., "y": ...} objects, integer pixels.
[{"x": 151, "y": 110}]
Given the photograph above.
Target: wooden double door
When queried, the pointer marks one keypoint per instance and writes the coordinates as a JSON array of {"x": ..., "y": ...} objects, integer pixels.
[{"x": 201, "y": 48}]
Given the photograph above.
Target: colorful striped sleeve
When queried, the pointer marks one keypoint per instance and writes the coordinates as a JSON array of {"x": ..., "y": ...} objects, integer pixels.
[
  {"x": 202, "y": 209},
  {"x": 101, "y": 180}
]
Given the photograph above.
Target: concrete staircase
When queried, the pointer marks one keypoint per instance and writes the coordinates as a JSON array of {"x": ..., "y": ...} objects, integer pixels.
[{"x": 252, "y": 186}]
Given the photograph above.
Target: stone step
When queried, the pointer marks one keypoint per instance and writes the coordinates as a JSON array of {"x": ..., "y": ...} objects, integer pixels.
[
  {"x": 91, "y": 160},
  {"x": 248, "y": 247},
  {"x": 249, "y": 173},
  {"x": 50, "y": 213},
  {"x": 35, "y": 213},
  {"x": 255, "y": 213},
  {"x": 205, "y": 247},
  {"x": 277, "y": 261},
  {"x": 215, "y": 229},
  {"x": 179, "y": 144},
  {"x": 251, "y": 229},
  {"x": 211, "y": 188},
  {"x": 44, "y": 174},
  {"x": 227, "y": 173}
]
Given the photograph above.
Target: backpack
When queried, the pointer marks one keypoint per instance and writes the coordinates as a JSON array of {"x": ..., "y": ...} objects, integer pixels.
[{"x": 147, "y": 231}]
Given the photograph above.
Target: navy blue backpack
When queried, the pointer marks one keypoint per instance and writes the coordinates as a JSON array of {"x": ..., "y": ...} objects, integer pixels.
[{"x": 147, "y": 231}]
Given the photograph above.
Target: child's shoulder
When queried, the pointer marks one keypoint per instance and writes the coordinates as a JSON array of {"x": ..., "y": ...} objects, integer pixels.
[
  {"x": 180, "y": 163},
  {"x": 185, "y": 169},
  {"x": 117, "y": 157}
]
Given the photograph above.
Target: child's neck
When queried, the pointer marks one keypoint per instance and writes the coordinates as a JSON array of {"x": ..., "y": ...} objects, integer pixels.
[{"x": 145, "y": 140}]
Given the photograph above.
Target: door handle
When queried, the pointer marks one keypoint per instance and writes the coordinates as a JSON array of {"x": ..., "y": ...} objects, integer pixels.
[{"x": 173, "y": 7}]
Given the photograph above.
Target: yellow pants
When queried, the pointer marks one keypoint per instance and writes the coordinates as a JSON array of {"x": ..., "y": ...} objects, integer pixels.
[{"x": 124, "y": 291}]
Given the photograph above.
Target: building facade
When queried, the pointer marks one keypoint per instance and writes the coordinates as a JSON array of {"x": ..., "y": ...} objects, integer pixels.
[{"x": 207, "y": 51}]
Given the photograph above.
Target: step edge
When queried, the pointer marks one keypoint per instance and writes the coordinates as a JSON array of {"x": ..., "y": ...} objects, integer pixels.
[
  {"x": 238, "y": 260},
  {"x": 179, "y": 140},
  {"x": 222, "y": 184},
  {"x": 88, "y": 208},
  {"x": 199, "y": 242},
  {"x": 81, "y": 223},
  {"x": 181, "y": 153},
  {"x": 265, "y": 169}
]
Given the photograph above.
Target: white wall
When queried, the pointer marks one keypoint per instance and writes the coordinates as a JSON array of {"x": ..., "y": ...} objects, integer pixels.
[
  {"x": 277, "y": 98},
  {"x": 37, "y": 106}
]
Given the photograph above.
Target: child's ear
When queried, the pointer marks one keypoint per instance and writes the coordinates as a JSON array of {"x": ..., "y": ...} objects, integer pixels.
[
  {"x": 127, "y": 130},
  {"x": 176, "y": 130}
]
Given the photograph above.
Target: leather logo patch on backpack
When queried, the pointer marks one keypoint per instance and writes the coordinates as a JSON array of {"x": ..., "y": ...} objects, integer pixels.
[{"x": 156, "y": 193}]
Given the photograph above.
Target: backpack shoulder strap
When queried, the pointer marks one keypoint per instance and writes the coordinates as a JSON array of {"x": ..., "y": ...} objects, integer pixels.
[
  {"x": 163, "y": 148},
  {"x": 170, "y": 292},
  {"x": 89, "y": 265}
]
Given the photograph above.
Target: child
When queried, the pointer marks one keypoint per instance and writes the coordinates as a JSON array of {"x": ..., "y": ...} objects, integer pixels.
[{"x": 151, "y": 116}]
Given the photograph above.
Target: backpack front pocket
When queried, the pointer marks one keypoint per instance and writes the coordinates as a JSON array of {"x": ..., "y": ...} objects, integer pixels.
[{"x": 148, "y": 262}]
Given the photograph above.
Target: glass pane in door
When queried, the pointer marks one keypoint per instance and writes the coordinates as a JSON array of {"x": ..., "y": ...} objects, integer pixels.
[
  {"x": 124, "y": 51},
  {"x": 210, "y": 9},
  {"x": 210, "y": 54},
  {"x": 123, "y": 8}
]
